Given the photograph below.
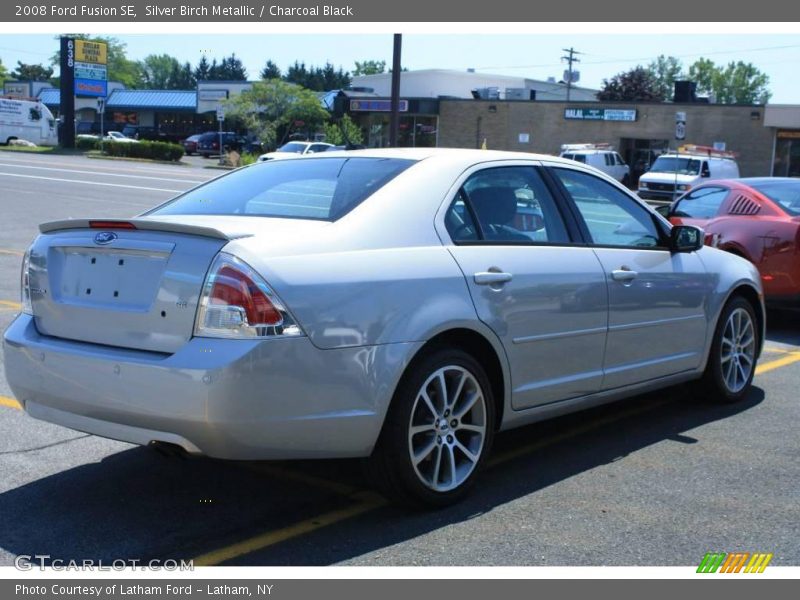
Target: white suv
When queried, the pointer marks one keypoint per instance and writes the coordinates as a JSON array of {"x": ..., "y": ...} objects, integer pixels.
[{"x": 601, "y": 157}]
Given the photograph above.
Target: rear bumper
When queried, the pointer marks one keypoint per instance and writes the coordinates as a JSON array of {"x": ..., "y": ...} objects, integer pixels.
[{"x": 234, "y": 399}]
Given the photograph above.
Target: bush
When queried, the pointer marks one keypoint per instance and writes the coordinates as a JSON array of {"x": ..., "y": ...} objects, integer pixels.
[
  {"x": 87, "y": 143},
  {"x": 247, "y": 159},
  {"x": 144, "y": 149}
]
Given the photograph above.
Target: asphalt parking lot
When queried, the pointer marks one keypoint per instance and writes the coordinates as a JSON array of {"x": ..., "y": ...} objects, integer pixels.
[{"x": 654, "y": 480}]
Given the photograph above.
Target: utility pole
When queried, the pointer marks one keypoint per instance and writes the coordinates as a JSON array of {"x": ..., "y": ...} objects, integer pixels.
[
  {"x": 570, "y": 58},
  {"x": 394, "y": 119}
]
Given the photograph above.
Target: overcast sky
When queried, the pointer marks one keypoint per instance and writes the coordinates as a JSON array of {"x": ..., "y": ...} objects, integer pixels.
[{"x": 534, "y": 56}]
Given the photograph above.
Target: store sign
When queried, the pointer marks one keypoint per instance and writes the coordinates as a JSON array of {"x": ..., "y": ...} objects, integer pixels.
[
  {"x": 16, "y": 90},
  {"x": 90, "y": 87},
  {"x": 600, "y": 114},
  {"x": 212, "y": 95},
  {"x": 91, "y": 52},
  {"x": 85, "y": 70},
  {"x": 376, "y": 105},
  {"x": 126, "y": 118}
]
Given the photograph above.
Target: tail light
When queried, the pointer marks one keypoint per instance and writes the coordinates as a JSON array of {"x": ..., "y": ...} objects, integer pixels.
[
  {"x": 25, "y": 284},
  {"x": 238, "y": 303}
]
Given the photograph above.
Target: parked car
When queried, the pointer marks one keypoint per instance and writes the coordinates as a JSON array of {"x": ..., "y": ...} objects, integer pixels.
[
  {"x": 141, "y": 132},
  {"x": 295, "y": 149},
  {"x": 116, "y": 136},
  {"x": 756, "y": 218},
  {"x": 208, "y": 143},
  {"x": 674, "y": 173},
  {"x": 601, "y": 157},
  {"x": 398, "y": 304},
  {"x": 190, "y": 143}
]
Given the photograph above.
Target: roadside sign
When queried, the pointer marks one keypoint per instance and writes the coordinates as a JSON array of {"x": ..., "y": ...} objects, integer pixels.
[
  {"x": 91, "y": 52},
  {"x": 85, "y": 70},
  {"x": 680, "y": 125}
]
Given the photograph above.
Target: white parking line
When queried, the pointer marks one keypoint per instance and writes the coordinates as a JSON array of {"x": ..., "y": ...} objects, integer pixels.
[
  {"x": 103, "y": 174},
  {"x": 120, "y": 165},
  {"x": 117, "y": 185}
]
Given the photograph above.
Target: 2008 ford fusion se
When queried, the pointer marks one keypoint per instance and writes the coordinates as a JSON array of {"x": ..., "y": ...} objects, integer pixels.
[{"x": 401, "y": 305}]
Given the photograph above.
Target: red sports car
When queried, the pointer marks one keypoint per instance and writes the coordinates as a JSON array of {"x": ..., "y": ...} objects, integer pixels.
[{"x": 757, "y": 218}]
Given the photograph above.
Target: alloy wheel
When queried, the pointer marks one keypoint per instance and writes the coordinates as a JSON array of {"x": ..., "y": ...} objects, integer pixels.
[{"x": 447, "y": 428}]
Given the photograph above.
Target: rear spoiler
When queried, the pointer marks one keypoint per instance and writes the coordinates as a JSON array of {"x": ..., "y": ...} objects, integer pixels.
[{"x": 139, "y": 224}]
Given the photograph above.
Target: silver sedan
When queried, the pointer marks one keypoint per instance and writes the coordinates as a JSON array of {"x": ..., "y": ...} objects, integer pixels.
[{"x": 401, "y": 305}]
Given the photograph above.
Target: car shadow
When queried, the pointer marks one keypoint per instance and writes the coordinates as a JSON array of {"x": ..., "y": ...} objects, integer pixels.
[
  {"x": 783, "y": 326},
  {"x": 137, "y": 504}
]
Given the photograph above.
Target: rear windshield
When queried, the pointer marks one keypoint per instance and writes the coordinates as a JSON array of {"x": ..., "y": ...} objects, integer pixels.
[
  {"x": 784, "y": 193},
  {"x": 321, "y": 188}
]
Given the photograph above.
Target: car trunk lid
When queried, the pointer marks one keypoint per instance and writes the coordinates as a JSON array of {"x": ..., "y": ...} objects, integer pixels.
[{"x": 131, "y": 284}]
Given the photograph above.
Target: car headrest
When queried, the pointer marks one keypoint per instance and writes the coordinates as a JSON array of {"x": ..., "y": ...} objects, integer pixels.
[{"x": 494, "y": 205}]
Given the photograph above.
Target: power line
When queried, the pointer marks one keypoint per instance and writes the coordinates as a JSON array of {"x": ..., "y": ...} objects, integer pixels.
[{"x": 641, "y": 58}]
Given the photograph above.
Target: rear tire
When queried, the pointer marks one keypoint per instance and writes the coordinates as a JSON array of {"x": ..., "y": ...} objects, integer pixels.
[
  {"x": 732, "y": 360},
  {"x": 435, "y": 442}
]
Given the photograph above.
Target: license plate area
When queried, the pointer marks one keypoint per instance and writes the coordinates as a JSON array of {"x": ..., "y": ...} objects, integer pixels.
[{"x": 113, "y": 278}]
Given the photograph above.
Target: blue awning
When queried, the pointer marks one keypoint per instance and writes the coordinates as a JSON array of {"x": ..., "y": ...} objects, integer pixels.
[{"x": 153, "y": 99}]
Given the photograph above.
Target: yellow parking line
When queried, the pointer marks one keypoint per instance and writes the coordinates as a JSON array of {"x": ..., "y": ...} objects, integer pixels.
[
  {"x": 9, "y": 304},
  {"x": 368, "y": 501},
  {"x": 573, "y": 432},
  {"x": 10, "y": 403},
  {"x": 788, "y": 359},
  {"x": 311, "y": 480},
  {"x": 372, "y": 501}
]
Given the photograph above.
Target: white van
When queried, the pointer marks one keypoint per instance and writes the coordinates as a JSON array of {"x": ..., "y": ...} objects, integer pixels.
[
  {"x": 599, "y": 156},
  {"x": 27, "y": 120},
  {"x": 675, "y": 173}
]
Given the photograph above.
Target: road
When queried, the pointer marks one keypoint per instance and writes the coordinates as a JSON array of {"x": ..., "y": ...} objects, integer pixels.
[{"x": 653, "y": 480}]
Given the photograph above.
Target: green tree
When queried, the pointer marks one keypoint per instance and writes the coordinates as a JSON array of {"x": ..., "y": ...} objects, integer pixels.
[
  {"x": 120, "y": 67},
  {"x": 665, "y": 70},
  {"x": 636, "y": 85},
  {"x": 230, "y": 68},
  {"x": 369, "y": 67},
  {"x": 319, "y": 79},
  {"x": 202, "y": 70},
  {"x": 274, "y": 108},
  {"x": 343, "y": 132},
  {"x": 270, "y": 71},
  {"x": 3, "y": 73},
  {"x": 32, "y": 72},
  {"x": 157, "y": 69},
  {"x": 735, "y": 83}
]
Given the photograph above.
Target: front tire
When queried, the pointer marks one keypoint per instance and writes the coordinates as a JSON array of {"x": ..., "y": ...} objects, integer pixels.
[
  {"x": 438, "y": 431},
  {"x": 732, "y": 361}
]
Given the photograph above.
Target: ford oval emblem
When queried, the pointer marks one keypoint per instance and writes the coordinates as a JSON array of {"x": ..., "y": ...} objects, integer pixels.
[{"x": 105, "y": 237}]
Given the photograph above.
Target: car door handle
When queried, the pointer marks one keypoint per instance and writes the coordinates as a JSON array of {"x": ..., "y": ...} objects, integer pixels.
[
  {"x": 492, "y": 277},
  {"x": 623, "y": 274}
]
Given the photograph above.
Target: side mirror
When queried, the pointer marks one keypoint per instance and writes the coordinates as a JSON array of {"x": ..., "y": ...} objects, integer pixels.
[
  {"x": 686, "y": 238},
  {"x": 664, "y": 210}
]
